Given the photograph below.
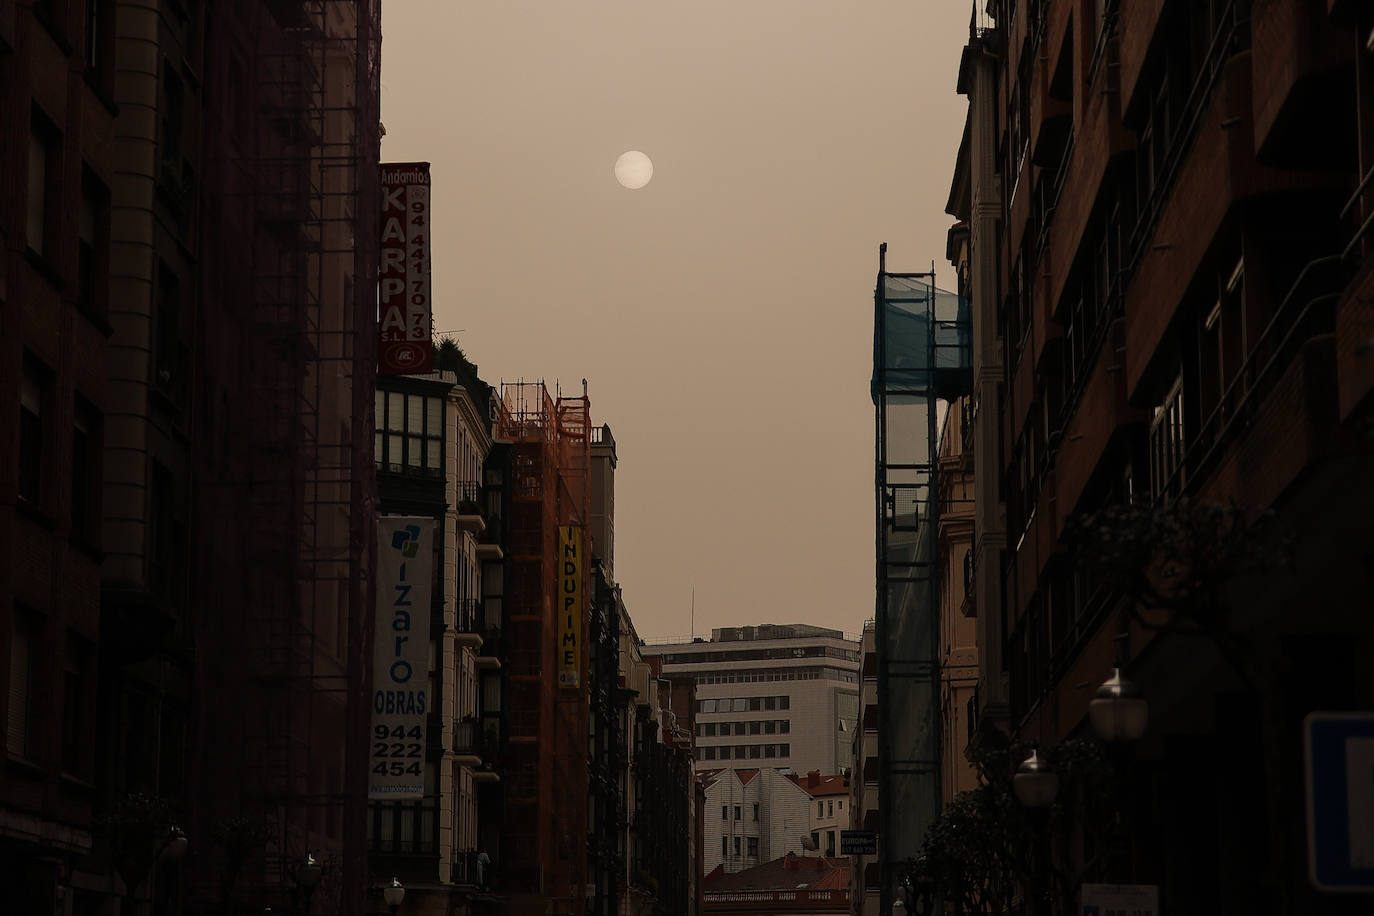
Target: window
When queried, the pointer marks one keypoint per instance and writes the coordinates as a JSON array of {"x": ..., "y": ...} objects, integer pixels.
[
  {"x": 784, "y": 702},
  {"x": 784, "y": 726},
  {"x": 43, "y": 199},
  {"x": 770, "y": 702},
  {"x": 410, "y": 434},
  {"x": 830, "y": 842},
  {"x": 737, "y": 845},
  {"x": 756, "y": 812},
  {"x": 33, "y": 401},
  {"x": 76, "y": 703},
  {"x": 770, "y": 750},
  {"x": 737, "y": 814},
  {"x": 85, "y": 471},
  {"x": 168, "y": 350},
  {"x": 725, "y": 753},
  {"x": 725, "y": 812},
  {"x": 1167, "y": 442},
  {"x": 755, "y": 728},
  {"x": 784, "y": 750},
  {"x": 23, "y": 648},
  {"x": 710, "y": 753},
  {"x": 755, "y": 751},
  {"x": 93, "y": 240},
  {"x": 98, "y": 40},
  {"x": 830, "y": 809},
  {"x": 741, "y": 752},
  {"x": 770, "y": 727},
  {"x": 740, "y": 728},
  {"x": 753, "y": 846},
  {"x": 755, "y": 704},
  {"x": 816, "y": 839},
  {"x": 710, "y": 729},
  {"x": 725, "y": 846},
  {"x": 820, "y": 809},
  {"x": 173, "y": 121}
]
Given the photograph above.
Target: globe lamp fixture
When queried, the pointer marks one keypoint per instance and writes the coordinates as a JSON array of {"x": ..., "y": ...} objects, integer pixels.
[
  {"x": 1035, "y": 783},
  {"x": 1118, "y": 712},
  {"x": 394, "y": 893}
]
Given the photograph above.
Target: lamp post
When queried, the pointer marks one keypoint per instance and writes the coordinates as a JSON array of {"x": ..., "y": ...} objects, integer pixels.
[
  {"x": 307, "y": 876},
  {"x": 1119, "y": 714},
  {"x": 393, "y": 894},
  {"x": 1036, "y": 785}
]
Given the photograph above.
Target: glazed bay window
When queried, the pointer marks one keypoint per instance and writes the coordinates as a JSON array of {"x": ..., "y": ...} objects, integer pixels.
[{"x": 410, "y": 433}]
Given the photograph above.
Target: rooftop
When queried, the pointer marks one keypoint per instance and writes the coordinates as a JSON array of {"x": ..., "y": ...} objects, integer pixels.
[
  {"x": 757, "y": 633},
  {"x": 816, "y": 873}
]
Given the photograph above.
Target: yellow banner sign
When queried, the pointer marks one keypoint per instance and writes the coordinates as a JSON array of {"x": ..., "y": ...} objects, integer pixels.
[{"x": 569, "y": 605}]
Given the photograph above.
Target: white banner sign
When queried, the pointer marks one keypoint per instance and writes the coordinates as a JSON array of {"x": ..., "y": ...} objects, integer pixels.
[{"x": 400, "y": 674}]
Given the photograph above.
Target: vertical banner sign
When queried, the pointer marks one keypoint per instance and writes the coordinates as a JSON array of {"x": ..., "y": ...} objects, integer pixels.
[
  {"x": 403, "y": 293},
  {"x": 400, "y": 673},
  {"x": 569, "y": 600}
]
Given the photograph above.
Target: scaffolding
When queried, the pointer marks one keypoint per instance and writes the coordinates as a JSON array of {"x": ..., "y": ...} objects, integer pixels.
[
  {"x": 922, "y": 360},
  {"x": 544, "y": 845},
  {"x": 294, "y": 183}
]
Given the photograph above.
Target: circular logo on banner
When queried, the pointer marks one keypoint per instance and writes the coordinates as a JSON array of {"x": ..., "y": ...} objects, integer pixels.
[{"x": 404, "y": 355}]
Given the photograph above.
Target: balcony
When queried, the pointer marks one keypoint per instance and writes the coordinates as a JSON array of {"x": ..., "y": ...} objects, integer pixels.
[
  {"x": 493, "y": 648},
  {"x": 969, "y": 606},
  {"x": 477, "y": 744},
  {"x": 489, "y": 544},
  {"x": 469, "y": 512},
  {"x": 470, "y": 622},
  {"x": 469, "y": 872}
]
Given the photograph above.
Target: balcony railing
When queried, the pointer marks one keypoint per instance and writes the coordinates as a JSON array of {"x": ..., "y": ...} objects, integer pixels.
[
  {"x": 470, "y": 870},
  {"x": 478, "y": 738},
  {"x": 1306, "y": 311},
  {"x": 471, "y": 616},
  {"x": 469, "y": 497}
]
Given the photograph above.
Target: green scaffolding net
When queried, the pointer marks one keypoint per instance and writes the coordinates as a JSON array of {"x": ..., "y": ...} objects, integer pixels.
[{"x": 922, "y": 360}]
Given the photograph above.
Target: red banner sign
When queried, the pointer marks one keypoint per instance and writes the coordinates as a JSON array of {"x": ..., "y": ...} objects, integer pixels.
[{"x": 404, "y": 313}]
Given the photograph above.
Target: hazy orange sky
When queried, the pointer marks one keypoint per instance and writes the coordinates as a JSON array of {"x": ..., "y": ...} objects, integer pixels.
[{"x": 722, "y": 315}]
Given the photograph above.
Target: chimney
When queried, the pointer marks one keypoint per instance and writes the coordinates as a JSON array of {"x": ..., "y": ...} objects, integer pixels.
[
  {"x": 789, "y": 862},
  {"x": 813, "y": 778}
]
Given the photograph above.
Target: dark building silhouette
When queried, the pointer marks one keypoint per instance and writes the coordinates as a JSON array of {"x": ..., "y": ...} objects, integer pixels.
[{"x": 1166, "y": 212}]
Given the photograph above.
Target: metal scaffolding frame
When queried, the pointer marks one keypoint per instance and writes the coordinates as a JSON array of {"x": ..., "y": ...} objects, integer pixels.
[
  {"x": 297, "y": 201},
  {"x": 922, "y": 359}
]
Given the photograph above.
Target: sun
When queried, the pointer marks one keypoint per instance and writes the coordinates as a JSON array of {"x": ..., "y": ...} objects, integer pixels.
[{"x": 633, "y": 170}]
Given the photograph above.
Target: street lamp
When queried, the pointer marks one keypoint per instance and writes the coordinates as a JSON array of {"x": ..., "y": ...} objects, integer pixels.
[
  {"x": 1035, "y": 783},
  {"x": 308, "y": 878},
  {"x": 1118, "y": 712},
  {"x": 394, "y": 893},
  {"x": 174, "y": 847}
]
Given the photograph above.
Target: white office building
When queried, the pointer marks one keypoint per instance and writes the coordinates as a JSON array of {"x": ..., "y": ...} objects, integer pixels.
[{"x": 775, "y": 695}]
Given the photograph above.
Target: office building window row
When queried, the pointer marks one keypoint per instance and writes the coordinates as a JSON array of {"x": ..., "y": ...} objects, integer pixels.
[
  {"x": 746, "y": 752},
  {"x": 742, "y": 655},
  {"x": 780, "y": 674},
  {"x": 744, "y": 704},
  {"x": 761, "y": 727}
]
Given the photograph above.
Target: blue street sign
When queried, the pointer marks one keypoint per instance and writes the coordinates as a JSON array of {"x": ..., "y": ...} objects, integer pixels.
[{"x": 1339, "y": 748}]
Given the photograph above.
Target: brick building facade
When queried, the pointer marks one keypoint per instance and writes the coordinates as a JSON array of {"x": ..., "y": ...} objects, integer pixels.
[{"x": 1167, "y": 208}]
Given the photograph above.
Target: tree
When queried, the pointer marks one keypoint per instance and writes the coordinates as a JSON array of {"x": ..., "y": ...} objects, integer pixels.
[{"x": 981, "y": 852}]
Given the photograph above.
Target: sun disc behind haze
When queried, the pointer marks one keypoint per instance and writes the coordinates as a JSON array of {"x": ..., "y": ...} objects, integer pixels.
[{"x": 633, "y": 170}]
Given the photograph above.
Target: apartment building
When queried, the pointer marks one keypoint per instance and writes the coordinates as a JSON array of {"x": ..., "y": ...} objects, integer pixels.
[
  {"x": 433, "y": 439},
  {"x": 864, "y": 880},
  {"x": 58, "y": 144},
  {"x": 1168, "y": 211},
  {"x": 753, "y": 816},
  {"x": 774, "y": 695},
  {"x": 828, "y": 810}
]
